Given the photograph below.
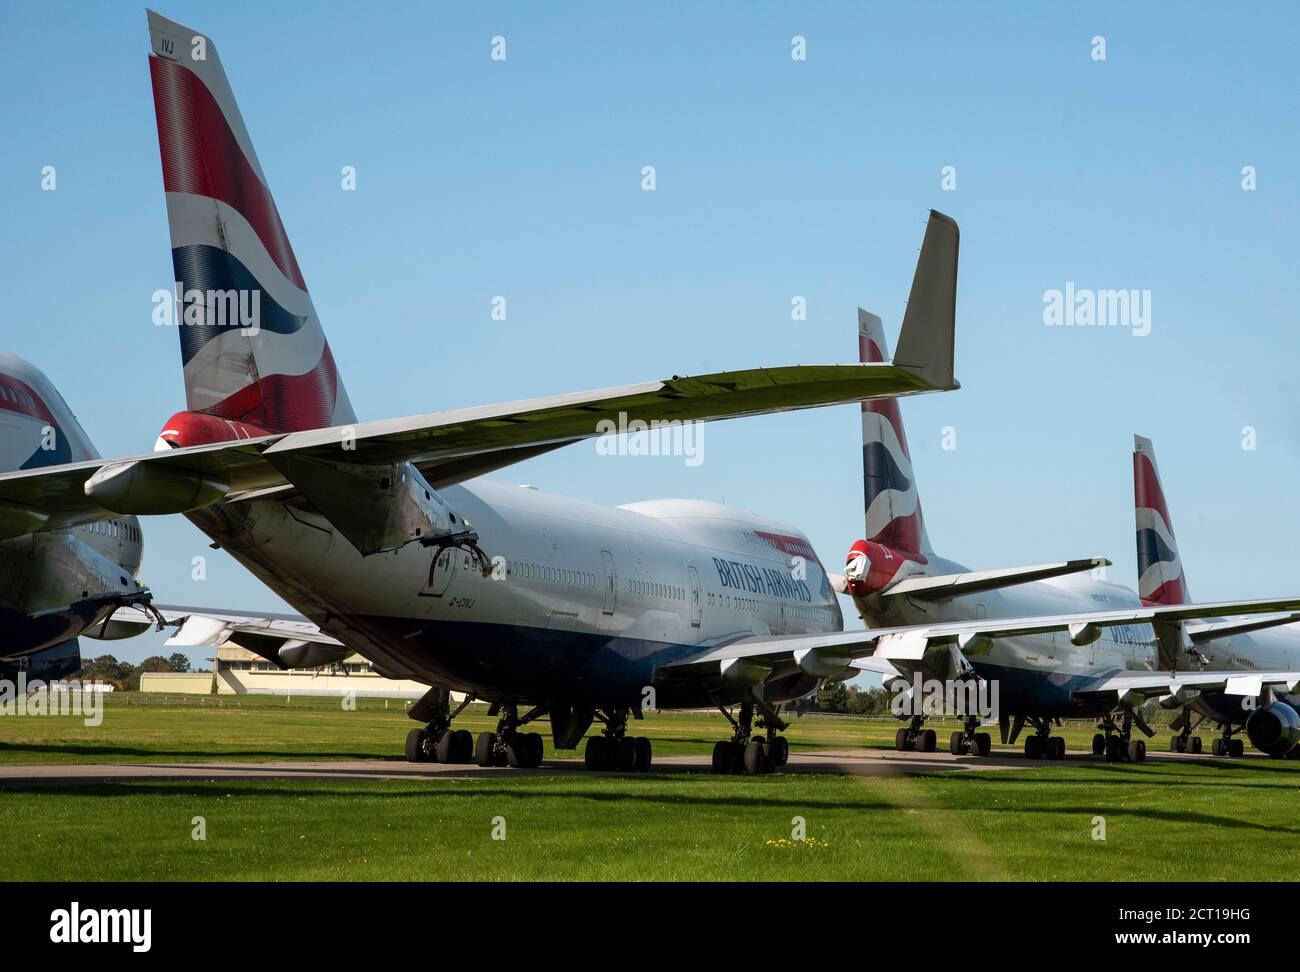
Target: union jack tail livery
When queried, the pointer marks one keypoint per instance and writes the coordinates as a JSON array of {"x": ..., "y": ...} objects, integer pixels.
[
  {"x": 1160, "y": 571},
  {"x": 253, "y": 350},
  {"x": 895, "y": 527}
]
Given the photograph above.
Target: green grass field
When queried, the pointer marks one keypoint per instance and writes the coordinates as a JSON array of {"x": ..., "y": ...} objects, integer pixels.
[{"x": 1210, "y": 819}]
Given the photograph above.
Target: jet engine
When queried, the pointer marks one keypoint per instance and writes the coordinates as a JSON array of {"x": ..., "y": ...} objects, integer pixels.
[{"x": 1274, "y": 729}]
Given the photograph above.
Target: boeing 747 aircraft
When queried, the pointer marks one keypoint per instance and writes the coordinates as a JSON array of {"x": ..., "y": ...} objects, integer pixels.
[
  {"x": 382, "y": 534},
  {"x": 1042, "y": 674},
  {"x": 1216, "y": 644}
]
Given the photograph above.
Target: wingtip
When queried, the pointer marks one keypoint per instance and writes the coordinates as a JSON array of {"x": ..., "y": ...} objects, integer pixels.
[{"x": 926, "y": 342}]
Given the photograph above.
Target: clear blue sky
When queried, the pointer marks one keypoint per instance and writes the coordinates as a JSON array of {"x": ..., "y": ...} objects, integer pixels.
[{"x": 775, "y": 179}]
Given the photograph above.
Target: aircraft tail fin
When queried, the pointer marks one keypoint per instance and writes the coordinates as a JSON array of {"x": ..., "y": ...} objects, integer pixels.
[
  {"x": 1160, "y": 571},
  {"x": 890, "y": 497},
  {"x": 251, "y": 344}
]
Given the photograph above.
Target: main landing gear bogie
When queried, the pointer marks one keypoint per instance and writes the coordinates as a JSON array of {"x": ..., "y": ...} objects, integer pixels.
[
  {"x": 448, "y": 746},
  {"x": 624, "y": 754},
  {"x": 1115, "y": 743},
  {"x": 746, "y": 752},
  {"x": 615, "y": 751},
  {"x": 508, "y": 746},
  {"x": 438, "y": 742}
]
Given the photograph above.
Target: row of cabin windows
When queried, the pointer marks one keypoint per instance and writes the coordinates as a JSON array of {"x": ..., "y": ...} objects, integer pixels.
[
  {"x": 556, "y": 575},
  {"x": 113, "y": 528},
  {"x": 18, "y": 397},
  {"x": 655, "y": 589}
]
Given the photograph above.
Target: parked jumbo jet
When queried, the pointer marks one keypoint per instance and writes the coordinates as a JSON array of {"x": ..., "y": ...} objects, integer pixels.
[
  {"x": 1046, "y": 671},
  {"x": 380, "y": 533},
  {"x": 55, "y": 583},
  {"x": 81, "y": 579},
  {"x": 1215, "y": 644},
  {"x": 513, "y": 595}
]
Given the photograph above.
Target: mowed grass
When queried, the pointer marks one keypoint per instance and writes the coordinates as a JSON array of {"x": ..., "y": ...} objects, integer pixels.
[
  {"x": 1208, "y": 819},
  {"x": 1166, "y": 821},
  {"x": 143, "y": 728}
]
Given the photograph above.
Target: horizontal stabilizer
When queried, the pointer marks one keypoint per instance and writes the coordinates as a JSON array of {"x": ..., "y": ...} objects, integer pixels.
[
  {"x": 1201, "y": 633},
  {"x": 976, "y": 581},
  {"x": 287, "y": 640}
]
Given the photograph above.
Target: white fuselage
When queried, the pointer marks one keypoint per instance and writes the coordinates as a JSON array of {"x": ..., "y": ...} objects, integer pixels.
[
  {"x": 1035, "y": 673},
  {"x": 584, "y": 602}
]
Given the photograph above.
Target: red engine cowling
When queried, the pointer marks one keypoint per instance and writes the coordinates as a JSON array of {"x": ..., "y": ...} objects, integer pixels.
[{"x": 871, "y": 567}]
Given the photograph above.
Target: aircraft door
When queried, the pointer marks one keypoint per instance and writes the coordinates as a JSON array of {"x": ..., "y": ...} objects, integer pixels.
[
  {"x": 442, "y": 572},
  {"x": 611, "y": 584},
  {"x": 697, "y": 606}
]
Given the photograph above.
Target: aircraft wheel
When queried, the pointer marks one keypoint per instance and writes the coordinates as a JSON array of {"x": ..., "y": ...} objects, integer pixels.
[
  {"x": 1236, "y": 747},
  {"x": 956, "y": 744},
  {"x": 535, "y": 749},
  {"x": 1195, "y": 744},
  {"x": 644, "y": 754},
  {"x": 926, "y": 740},
  {"x": 1114, "y": 749},
  {"x": 594, "y": 756},
  {"x": 983, "y": 744},
  {"x": 415, "y": 746},
  {"x": 1099, "y": 744},
  {"x": 444, "y": 748},
  {"x": 1216, "y": 746},
  {"x": 722, "y": 756},
  {"x": 1057, "y": 745},
  {"x": 1173, "y": 744},
  {"x": 462, "y": 747},
  {"x": 1033, "y": 747},
  {"x": 781, "y": 751},
  {"x": 1137, "y": 751},
  {"x": 517, "y": 750},
  {"x": 625, "y": 754},
  {"x": 755, "y": 758},
  {"x": 483, "y": 748},
  {"x": 901, "y": 742}
]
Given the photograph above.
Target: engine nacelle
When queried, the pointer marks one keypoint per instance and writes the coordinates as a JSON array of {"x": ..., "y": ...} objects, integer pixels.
[
  {"x": 151, "y": 488},
  {"x": 1274, "y": 729},
  {"x": 871, "y": 567}
]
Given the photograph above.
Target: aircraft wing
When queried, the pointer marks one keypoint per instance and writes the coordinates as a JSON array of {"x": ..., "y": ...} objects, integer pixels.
[
  {"x": 287, "y": 640},
  {"x": 752, "y": 659},
  {"x": 452, "y": 446},
  {"x": 1131, "y": 686},
  {"x": 973, "y": 582},
  {"x": 459, "y": 444}
]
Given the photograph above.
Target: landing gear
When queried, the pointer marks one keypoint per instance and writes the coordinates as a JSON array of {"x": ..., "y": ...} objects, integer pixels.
[
  {"x": 438, "y": 742},
  {"x": 1185, "y": 743},
  {"x": 746, "y": 752},
  {"x": 967, "y": 741},
  {"x": 1042, "y": 744},
  {"x": 508, "y": 746},
  {"x": 1116, "y": 741},
  {"x": 1226, "y": 745},
  {"x": 613, "y": 750},
  {"x": 912, "y": 736}
]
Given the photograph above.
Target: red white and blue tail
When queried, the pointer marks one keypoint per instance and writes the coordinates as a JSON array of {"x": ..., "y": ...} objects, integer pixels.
[
  {"x": 256, "y": 353},
  {"x": 1160, "y": 571},
  {"x": 890, "y": 497}
]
